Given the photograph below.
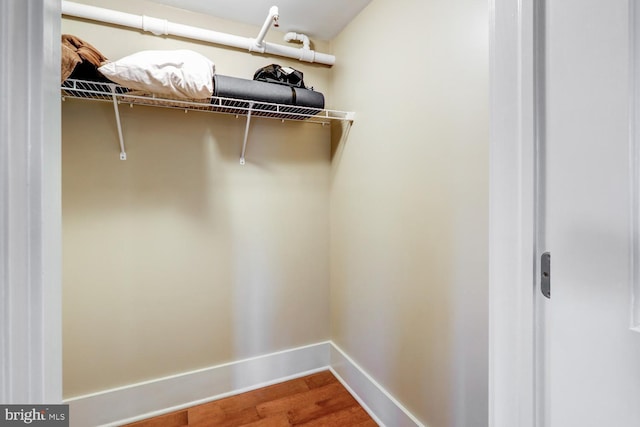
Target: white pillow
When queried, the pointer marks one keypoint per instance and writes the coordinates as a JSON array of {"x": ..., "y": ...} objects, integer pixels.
[{"x": 179, "y": 73}]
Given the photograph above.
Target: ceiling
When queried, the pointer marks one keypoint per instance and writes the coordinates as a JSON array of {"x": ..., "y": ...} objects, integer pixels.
[{"x": 319, "y": 19}]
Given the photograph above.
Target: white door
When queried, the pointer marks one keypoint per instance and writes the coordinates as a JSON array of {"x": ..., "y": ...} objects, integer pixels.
[{"x": 592, "y": 368}]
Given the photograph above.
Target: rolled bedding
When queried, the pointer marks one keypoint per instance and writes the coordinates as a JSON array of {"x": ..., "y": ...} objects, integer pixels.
[
  {"x": 308, "y": 98},
  {"x": 237, "y": 88}
]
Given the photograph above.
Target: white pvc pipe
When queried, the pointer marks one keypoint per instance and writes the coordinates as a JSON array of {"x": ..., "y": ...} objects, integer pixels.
[
  {"x": 164, "y": 27},
  {"x": 271, "y": 18}
]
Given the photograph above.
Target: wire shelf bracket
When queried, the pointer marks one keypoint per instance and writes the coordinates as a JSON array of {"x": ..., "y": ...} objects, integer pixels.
[
  {"x": 246, "y": 134},
  {"x": 123, "y": 153}
]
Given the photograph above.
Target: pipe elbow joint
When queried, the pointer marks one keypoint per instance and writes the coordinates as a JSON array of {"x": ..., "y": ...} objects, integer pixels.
[{"x": 302, "y": 38}]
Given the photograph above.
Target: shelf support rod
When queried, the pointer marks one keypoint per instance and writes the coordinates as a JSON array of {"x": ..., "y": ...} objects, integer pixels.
[
  {"x": 123, "y": 154},
  {"x": 246, "y": 133}
]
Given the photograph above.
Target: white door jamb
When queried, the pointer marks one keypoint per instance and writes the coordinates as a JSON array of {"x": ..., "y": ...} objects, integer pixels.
[
  {"x": 30, "y": 218},
  {"x": 512, "y": 395}
]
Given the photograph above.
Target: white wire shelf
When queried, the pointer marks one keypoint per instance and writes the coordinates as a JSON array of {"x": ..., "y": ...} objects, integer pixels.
[
  {"x": 110, "y": 92},
  {"x": 107, "y": 91}
]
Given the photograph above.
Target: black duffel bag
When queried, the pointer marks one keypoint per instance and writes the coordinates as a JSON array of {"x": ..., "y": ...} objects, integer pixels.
[{"x": 281, "y": 75}]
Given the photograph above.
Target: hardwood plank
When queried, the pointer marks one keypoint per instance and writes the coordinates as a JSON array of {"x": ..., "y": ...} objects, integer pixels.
[
  {"x": 241, "y": 409},
  {"x": 306, "y": 406},
  {"x": 298, "y": 400},
  {"x": 303, "y": 414},
  {"x": 173, "y": 419},
  {"x": 275, "y": 421},
  {"x": 217, "y": 417},
  {"x": 211, "y": 410},
  {"x": 320, "y": 379},
  {"x": 256, "y": 397},
  {"x": 347, "y": 417}
]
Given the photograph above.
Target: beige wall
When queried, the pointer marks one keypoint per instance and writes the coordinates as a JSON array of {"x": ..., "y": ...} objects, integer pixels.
[
  {"x": 409, "y": 204},
  {"x": 179, "y": 258}
]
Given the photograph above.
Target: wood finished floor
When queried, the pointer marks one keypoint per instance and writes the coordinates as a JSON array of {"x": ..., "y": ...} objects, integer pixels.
[{"x": 317, "y": 400}]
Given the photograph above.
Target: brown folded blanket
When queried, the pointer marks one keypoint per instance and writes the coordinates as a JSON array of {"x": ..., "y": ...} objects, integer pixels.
[
  {"x": 84, "y": 49},
  {"x": 69, "y": 61},
  {"x": 77, "y": 51}
]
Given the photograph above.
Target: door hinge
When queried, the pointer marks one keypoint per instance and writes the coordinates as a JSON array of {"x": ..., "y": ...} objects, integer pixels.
[{"x": 545, "y": 274}]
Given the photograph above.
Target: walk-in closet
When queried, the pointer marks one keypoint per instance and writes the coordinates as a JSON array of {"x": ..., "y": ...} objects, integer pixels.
[{"x": 212, "y": 247}]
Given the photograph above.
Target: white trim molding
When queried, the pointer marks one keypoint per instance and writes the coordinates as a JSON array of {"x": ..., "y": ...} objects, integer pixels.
[
  {"x": 135, "y": 402},
  {"x": 513, "y": 227},
  {"x": 160, "y": 396},
  {"x": 378, "y": 402},
  {"x": 30, "y": 206}
]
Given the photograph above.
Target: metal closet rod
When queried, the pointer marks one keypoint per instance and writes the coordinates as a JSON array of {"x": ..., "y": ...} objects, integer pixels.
[{"x": 163, "y": 27}]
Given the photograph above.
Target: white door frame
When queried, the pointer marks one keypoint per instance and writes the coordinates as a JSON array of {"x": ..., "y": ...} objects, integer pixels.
[
  {"x": 30, "y": 206},
  {"x": 515, "y": 54},
  {"x": 516, "y": 359},
  {"x": 634, "y": 158}
]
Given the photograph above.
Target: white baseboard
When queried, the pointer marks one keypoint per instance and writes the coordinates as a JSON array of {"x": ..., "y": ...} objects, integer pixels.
[
  {"x": 152, "y": 398},
  {"x": 379, "y": 403}
]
